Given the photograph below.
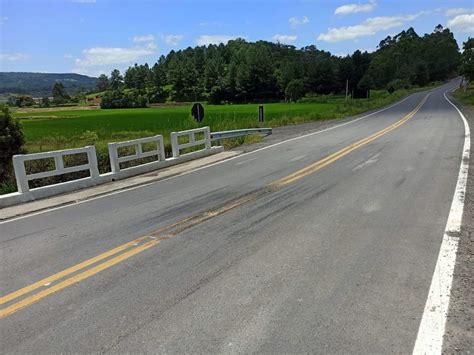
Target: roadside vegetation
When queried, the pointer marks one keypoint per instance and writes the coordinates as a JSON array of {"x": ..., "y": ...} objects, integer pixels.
[
  {"x": 11, "y": 143},
  {"x": 466, "y": 96},
  {"x": 466, "y": 93}
]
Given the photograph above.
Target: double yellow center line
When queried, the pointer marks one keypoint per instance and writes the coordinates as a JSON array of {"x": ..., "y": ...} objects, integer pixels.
[
  {"x": 310, "y": 169},
  {"x": 92, "y": 266}
]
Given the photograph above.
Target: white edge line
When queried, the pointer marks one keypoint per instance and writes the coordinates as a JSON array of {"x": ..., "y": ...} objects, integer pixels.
[
  {"x": 207, "y": 166},
  {"x": 432, "y": 327}
]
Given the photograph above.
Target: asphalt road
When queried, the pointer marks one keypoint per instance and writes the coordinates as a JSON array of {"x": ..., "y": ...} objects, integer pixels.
[{"x": 279, "y": 250}]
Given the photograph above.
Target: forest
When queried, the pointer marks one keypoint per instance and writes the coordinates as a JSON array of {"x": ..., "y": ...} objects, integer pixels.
[{"x": 242, "y": 72}]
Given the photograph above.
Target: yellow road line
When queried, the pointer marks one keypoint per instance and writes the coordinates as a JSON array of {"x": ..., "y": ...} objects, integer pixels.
[
  {"x": 68, "y": 271},
  {"x": 310, "y": 169},
  {"x": 76, "y": 278},
  {"x": 175, "y": 228}
]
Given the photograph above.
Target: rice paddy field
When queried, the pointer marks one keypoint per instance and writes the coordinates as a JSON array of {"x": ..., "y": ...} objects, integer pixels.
[{"x": 52, "y": 129}]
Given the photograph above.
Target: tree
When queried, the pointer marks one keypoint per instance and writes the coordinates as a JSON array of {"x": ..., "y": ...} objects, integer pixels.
[
  {"x": 294, "y": 90},
  {"x": 45, "y": 102},
  {"x": 102, "y": 82},
  {"x": 422, "y": 74},
  {"x": 11, "y": 142},
  {"x": 441, "y": 53},
  {"x": 123, "y": 99},
  {"x": 468, "y": 59},
  {"x": 24, "y": 101},
  {"x": 60, "y": 95},
  {"x": 366, "y": 82},
  {"x": 116, "y": 80}
]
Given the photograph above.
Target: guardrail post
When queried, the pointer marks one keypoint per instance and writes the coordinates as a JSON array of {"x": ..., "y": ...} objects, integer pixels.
[
  {"x": 20, "y": 174},
  {"x": 174, "y": 144},
  {"x": 161, "y": 149},
  {"x": 59, "y": 162},
  {"x": 207, "y": 136},
  {"x": 113, "y": 155},
  {"x": 92, "y": 157}
]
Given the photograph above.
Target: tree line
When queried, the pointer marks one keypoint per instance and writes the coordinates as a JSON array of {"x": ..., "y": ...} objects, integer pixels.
[
  {"x": 59, "y": 96},
  {"x": 242, "y": 71}
]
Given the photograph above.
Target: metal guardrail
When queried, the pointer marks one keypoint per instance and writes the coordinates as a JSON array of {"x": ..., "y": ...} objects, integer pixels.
[{"x": 240, "y": 132}]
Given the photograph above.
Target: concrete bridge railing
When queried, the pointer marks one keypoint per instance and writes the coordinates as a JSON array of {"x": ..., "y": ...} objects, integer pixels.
[
  {"x": 25, "y": 194},
  {"x": 115, "y": 159},
  {"x": 22, "y": 178}
]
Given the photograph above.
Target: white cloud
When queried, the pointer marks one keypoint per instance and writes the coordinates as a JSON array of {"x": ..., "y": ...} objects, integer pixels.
[
  {"x": 367, "y": 28},
  {"x": 68, "y": 56},
  {"x": 145, "y": 38},
  {"x": 285, "y": 38},
  {"x": 205, "y": 40},
  {"x": 173, "y": 40},
  {"x": 295, "y": 21},
  {"x": 463, "y": 23},
  {"x": 98, "y": 56},
  {"x": 355, "y": 8},
  {"x": 13, "y": 57},
  {"x": 456, "y": 11}
]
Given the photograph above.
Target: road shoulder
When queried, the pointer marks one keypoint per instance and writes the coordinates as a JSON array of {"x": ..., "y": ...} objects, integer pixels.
[{"x": 459, "y": 334}]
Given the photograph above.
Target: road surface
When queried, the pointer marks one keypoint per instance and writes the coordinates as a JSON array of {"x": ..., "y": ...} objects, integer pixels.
[{"x": 324, "y": 243}]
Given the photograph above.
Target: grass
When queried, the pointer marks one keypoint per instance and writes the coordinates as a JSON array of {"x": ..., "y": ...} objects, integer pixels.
[{"x": 59, "y": 129}]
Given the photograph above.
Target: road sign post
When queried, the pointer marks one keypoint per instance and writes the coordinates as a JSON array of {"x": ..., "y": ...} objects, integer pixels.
[
  {"x": 197, "y": 111},
  {"x": 261, "y": 115}
]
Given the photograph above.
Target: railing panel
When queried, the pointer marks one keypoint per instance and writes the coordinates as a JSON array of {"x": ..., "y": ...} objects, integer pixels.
[
  {"x": 115, "y": 160},
  {"x": 22, "y": 178},
  {"x": 192, "y": 142}
]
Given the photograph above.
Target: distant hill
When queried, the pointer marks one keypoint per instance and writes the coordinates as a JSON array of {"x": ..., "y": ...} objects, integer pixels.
[{"x": 40, "y": 84}]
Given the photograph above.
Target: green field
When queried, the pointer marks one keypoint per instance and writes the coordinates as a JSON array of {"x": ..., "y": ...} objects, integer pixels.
[{"x": 58, "y": 129}]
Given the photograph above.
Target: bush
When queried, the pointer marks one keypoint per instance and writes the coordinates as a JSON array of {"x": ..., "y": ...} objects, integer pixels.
[
  {"x": 11, "y": 142},
  {"x": 122, "y": 99},
  {"x": 398, "y": 84}
]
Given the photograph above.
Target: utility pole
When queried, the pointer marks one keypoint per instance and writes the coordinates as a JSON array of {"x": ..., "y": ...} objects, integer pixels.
[{"x": 347, "y": 88}]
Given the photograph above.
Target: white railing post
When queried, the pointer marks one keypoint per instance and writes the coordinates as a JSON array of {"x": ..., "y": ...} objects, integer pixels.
[
  {"x": 20, "y": 173},
  {"x": 92, "y": 157},
  {"x": 161, "y": 148},
  {"x": 59, "y": 162},
  {"x": 174, "y": 144},
  {"x": 113, "y": 155},
  {"x": 207, "y": 136}
]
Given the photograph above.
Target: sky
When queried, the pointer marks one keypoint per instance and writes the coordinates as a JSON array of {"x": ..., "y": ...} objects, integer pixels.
[{"x": 92, "y": 37}]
